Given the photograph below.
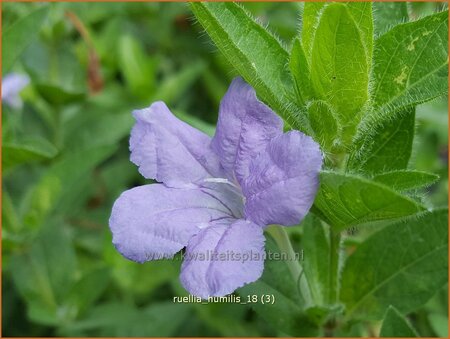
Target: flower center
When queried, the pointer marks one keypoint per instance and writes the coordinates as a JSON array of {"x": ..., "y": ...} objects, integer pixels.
[{"x": 231, "y": 196}]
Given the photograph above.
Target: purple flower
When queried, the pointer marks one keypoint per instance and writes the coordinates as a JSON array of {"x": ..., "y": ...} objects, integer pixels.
[
  {"x": 12, "y": 84},
  {"x": 216, "y": 195}
]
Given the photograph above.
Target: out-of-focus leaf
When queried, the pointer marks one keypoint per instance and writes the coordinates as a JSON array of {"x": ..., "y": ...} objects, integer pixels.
[
  {"x": 26, "y": 150},
  {"x": 253, "y": 51},
  {"x": 58, "y": 95},
  {"x": 20, "y": 35},
  {"x": 214, "y": 85},
  {"x": 227, "y": 318},
  {"x": 384, "y": 146},
  {"x": 135, "y": 278},
  {"x": 44, "y": 273},
  {"x": 439, "y": 323},
  {"x": 411, "y": 64},
  {"x": 286, "y": 313},
  {"x": 124, "y": 320},
  {"x": 137, "y": 67},
  {"x": 93, "y": 127},
  {"x": 388, "y": 14},
  {"x": 87, "y": 290},
  {"x": 60, "y": 187},
  {"x": 10, "y": 217},
  {"x": 173, "y": 87},
  {"x": 339, "y": 66},
  {"x": 196, "y": 122},
  {"x": 406, "y": 179},
  {"x": 56, "y": 74},
  {"x": 402, "y": 265},
  {"x": 395, "y": 325},
  {"x": 346, "y": 200}
]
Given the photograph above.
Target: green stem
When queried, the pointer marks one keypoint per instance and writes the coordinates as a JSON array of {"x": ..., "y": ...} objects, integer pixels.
[
  {"x": 335, "y": 242},
  {"x": 284, "y": 244}
]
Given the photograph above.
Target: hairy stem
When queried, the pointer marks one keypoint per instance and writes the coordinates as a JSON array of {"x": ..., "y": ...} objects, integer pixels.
[
  {"x": 333, "y": 287},
  {"x": 284, "y": 244}
]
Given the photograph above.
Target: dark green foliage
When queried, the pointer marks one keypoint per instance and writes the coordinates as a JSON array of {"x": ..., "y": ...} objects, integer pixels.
[{"x": 354, "y": 76}]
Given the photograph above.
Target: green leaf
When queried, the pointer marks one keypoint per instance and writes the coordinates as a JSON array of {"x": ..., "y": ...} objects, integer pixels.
[
  {"x": 384, "y": 146},
  {"x": 173, "y": 87},
  {"x": 311, "y": 17},
  {"x": 388, "y": 14},
  {"x": 339, "y": 67},
  {"x": 18, "y": 36},
  {"x": 44, "y": 274},
  {"x": 256, "y": 54},
  {"x": 95, "y": 126},
  {"x": 395, "y": 325},
  {"x": 139, "y": 280},
  {"x": 439, "y": 324},
  {"x": 323, "y": 124},
  {"x": 316, "y": 264},
  {"x": 362, "y": 14},
  {"x": 406, "y": 180},
  {"x": 10, "y": 216},
  {"x": 123, "y": 320},
  {"x": 346, "y": 200},
  {"x": 286, "y": 312},
  {"x": 87, "y": 290},
  {"x": 58, "y": 95},
  {"x": 299, "y": 67},
  {"x": 26, "y": 150},
  {"x": 137, "y": 67},
  {"x": 402, "y": 265},
  {"x": 60, "y": 188},
  {"x": 411, "y": 64}
]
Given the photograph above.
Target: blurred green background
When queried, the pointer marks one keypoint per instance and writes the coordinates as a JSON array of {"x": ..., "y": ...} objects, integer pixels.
[{"x": 65, "y": 159}]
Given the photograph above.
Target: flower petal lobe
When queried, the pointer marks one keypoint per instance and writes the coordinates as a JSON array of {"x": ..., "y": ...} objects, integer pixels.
[
  {"x": 154, "y": 221},
  {"x": 170, "y": 151},
  {"x": 222, "y": 258},
  {"x": 283, "y": 180}
]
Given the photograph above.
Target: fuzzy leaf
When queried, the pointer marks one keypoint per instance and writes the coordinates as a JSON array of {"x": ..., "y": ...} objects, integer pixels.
[
  {"x": 388, "y": 14},
  {"x": 347, "y": 200},
  {"x": 339, "y": 67},
  {"x": 395, "y": 325},
  {"x": 311, "y": 17},
  {"x": 256, "y": 54},
  {"x": 360, "y": 11},
  {"x": 402, "y": 265},
  {"x": 362, "y": 14},
  {"x": 323, "y": 123},
  {"x": 299, "y": 67},
  {"x": 406, "y": 180},
  {"x": 411, "y": 64},
  {"x": 385, "y": 146}
]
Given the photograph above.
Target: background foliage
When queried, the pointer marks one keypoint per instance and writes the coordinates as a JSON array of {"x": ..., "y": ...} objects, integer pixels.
[{"x": 65, "y": 160}]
